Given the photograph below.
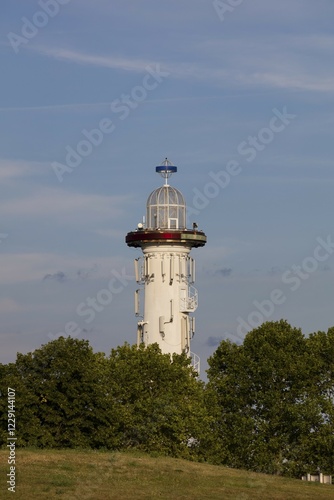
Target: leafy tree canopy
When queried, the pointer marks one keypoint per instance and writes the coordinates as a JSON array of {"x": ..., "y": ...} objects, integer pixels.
[{"x": 274, "y": 400}]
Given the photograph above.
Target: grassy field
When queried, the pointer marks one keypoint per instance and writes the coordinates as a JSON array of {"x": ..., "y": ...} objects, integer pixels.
[{"x": 86, "y": 475}]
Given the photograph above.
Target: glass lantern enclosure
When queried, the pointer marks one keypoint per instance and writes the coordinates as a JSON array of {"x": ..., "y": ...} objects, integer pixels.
[{"x": 166, "y": 209}]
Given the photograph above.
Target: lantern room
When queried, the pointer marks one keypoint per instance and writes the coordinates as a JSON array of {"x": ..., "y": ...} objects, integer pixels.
[{"x": 166, "y": 209}]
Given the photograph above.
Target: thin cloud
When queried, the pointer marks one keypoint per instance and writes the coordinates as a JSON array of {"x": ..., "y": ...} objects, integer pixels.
[
  {"x": 273, "y": 64},
  {"x": 82, "y": 274},
  {"x": 302, "y": 81},
  {"x": 59, "y": 276},
  {"x": 214, "y": 341},
  {"x": 184, "y": 70},
  {"x": 87, "y": 273},
  {"x": 225, "y": 272},
  {"x": 259, "y": 67},
  {"x": 101, "y": 105},
  {"x": 8, "y": 305},
  {"x": 122, "y": 63},
  {"x": 59, "y": 107},
  {"x": 10, "y": 169},
  {"x": 33, "y": 266},
  {"x": 59, "y": 203}
]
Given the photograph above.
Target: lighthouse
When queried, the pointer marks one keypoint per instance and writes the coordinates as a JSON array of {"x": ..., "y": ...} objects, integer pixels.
[{"x": 166, "y": 298}]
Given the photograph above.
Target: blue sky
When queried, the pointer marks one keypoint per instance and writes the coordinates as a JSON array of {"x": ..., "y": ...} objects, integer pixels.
[{"x": 198, "y": 82}]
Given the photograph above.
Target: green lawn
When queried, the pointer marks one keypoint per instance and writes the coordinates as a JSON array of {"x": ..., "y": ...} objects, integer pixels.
[{"x": 83, "y": 475}]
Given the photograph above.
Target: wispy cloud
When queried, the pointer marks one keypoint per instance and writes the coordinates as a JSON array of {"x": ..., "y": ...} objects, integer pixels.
[
  {"x": 94, "y": 106},
  {"x": 58, "y": 276},
  {"x": 8, "y": 305},
  {"x": 10, "y": 169},
  {"x": 46, "y": 202},
  {"x": 187, "y": 70},
  {"x": 122, "y": 63},
  {"x": 225, "y": 272},
  {"x": 213, "y": 341},
  {"x": 82, "y": 274},
  {"x": 303, "y": 81},
  {"x": 59, "y": 107},
  {"x": 34, "y": 266},
  {"x": 272, "y": 65}
]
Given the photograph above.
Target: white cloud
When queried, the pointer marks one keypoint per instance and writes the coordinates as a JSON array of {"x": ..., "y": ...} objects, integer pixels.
[
  {"x": 280, "y": 62},
  {"x": 8, "y": 305},
  {"x": 177, "y": 70},
  {"x": 261, "y": 13},
  {"x": 64, "y": 205},
  {"x": 123, "y": 63},
  {"x": 59, "y": 107},
  {"x": 298, "y": 81},
  {"x": 313, "y": 42},
  {"x": 20, "y": 168},
  {"x": 230, "y": 61}
]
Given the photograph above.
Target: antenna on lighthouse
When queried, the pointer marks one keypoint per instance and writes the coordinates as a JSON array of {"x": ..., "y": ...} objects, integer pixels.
[{"x": 166, "y": 169}]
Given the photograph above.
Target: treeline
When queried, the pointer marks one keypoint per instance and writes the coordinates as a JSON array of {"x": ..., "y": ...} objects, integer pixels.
[{"x": 268, "y": 404}]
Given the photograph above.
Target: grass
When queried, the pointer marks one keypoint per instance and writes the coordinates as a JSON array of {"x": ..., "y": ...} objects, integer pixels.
[{"x": 85, "y": 475}]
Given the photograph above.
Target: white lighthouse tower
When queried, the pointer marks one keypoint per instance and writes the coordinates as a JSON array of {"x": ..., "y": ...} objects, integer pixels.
[{"x": 166, "y": 270}]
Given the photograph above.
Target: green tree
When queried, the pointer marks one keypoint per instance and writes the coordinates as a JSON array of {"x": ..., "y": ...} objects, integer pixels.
[
  {"x": 27, "y": 423},
  {"x": 162, "y": 401},
  {"x": 263, "y": 399},
  {"x": 62, "y": 396},
  {"x": 67, "y": 396},
  {"x": 318, "y": 446}
]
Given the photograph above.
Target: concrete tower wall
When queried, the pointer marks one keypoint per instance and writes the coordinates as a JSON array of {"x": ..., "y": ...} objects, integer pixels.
[{"x": 169, "y": 298}]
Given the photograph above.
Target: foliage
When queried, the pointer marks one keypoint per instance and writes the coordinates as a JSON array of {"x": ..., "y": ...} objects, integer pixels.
[
  {"x": 61, "y": 396},
  {"x": 274, "y": 400},
  {"x": 67, "y": 396},
  {"x": 267, "y": 407},
  {"x": 162, "y": 401}
]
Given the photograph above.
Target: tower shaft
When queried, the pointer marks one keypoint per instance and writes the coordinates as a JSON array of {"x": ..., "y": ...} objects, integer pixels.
[{"x": 168, "y": 273}]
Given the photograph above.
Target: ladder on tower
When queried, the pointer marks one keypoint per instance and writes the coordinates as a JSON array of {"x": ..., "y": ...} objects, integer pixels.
[{"x": 195, "y": 362}]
